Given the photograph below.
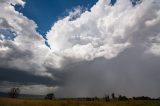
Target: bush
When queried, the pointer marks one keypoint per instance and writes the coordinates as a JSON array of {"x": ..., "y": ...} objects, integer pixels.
[
  {"x": 141, "y": 98},
  {"x": 50, "y": 96},
  {"x": 106, "y": 98},
  {"x": 14, "y": 92},
  {"x": 122, "y": 97}
]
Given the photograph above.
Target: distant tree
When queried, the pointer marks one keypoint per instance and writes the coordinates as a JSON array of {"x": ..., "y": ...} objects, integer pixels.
[
  {"x": 89, "y": 99},
  {"x": 106, "y": 97},
  {"x": 113, "y": 96},
  {"x": 14, "y": 92},
  {"x": 122, "y": 97},
  {"x": 141, "y": 98},
  {"x": 95, "y": 98},
  {"x": 158, "y": 98},
  {"x": 50, "y": 96}
]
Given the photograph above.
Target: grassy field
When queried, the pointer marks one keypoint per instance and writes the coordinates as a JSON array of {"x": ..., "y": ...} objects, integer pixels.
[{"x": 27, "y": 102}]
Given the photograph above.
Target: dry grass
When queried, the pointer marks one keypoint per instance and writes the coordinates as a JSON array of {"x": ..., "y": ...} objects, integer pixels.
[{"x": 30, "y": 102}]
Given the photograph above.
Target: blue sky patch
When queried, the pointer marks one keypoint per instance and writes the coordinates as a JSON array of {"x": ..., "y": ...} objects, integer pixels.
[{"x": 7, "y": 34}]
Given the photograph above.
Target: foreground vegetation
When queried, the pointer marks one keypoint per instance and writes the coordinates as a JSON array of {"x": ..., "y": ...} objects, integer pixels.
[{"x": 74, "y": 102}]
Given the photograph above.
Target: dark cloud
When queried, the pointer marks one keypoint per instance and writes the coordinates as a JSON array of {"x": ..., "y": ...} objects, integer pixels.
[
  {"x": 22, "y": 77},
  {"x": 131, "y": 73}
]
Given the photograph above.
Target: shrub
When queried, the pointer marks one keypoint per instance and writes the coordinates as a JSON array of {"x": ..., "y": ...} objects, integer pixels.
[{"x": 14, "y": 92}]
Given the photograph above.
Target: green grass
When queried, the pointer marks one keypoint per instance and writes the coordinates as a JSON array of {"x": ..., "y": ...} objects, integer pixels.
[{"x": 71, "y": 102}]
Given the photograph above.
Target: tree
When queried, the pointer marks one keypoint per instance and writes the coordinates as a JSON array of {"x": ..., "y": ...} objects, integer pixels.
[
  {"x": 50, "y": 96},
  {"x": 106, "y": 98},
  {"x": 122, "y": 97},
  {"x": 14, "y": 92},
  {"x": 142, "y": 98},
  {"x": 113, "y": 96}
]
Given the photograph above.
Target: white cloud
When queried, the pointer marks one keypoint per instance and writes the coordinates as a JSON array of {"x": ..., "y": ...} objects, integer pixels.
[
  {"x": 32, "y": 89},
  {"x": 28, "y": 50},
  {"x": 104, "y": 31},
  {"x": 37, "y": 89},
  {"x": 154, "y": 45}
]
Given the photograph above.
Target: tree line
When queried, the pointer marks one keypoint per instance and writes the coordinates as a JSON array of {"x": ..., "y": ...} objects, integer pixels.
[{"x": 15, "y": 92}]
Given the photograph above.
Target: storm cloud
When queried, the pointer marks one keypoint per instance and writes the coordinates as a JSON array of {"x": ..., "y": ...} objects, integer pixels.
[{"x": 108, "y": 48}]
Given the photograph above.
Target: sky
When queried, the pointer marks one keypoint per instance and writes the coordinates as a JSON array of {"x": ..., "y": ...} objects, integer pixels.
[
  {"x": 80, "y": 48},
  {"x": 51, "y": 11}
]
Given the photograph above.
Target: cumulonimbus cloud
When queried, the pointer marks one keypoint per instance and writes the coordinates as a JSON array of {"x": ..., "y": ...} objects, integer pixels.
[
  {"x": 103, "y": 31},
  {"x": 111, "y": 39}
]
